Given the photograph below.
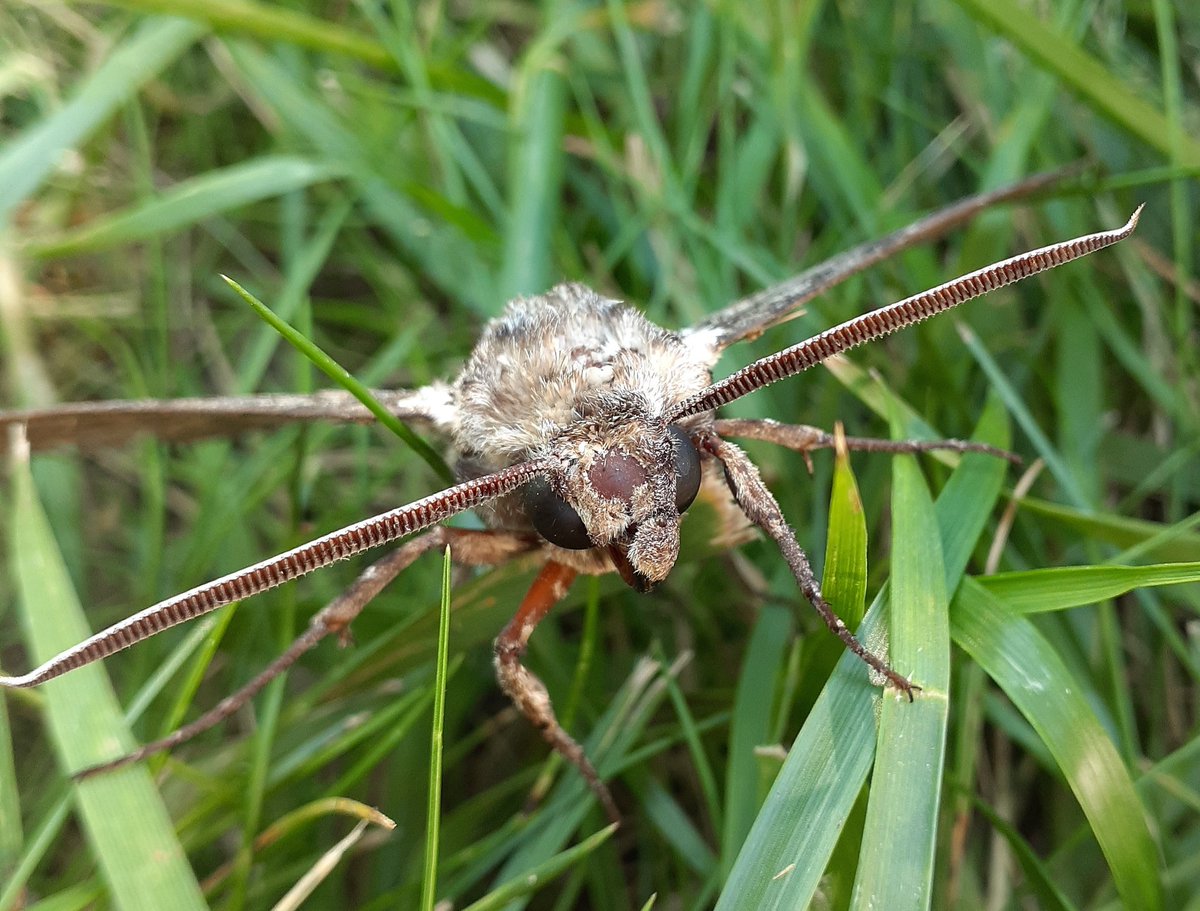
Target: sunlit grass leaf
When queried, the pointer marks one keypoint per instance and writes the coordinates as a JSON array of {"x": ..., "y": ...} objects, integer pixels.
[
  {"x": 1062, "y": 587},
  {"x": 899, "y": 835},
  {"x": 1031, "y": 673},
  {"x": 127, "y": 826},
  {"x": 1154, "y": 540},
  {"x": 840, "y": 724},
  {"x": 844, "y": 579},
  {"x": 785, "y": 854}
]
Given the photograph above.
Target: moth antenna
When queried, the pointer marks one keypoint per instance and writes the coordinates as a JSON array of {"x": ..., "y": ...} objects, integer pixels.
[
  {"x": 300, "y": 561},
  {"x": 885, "y": 320}
]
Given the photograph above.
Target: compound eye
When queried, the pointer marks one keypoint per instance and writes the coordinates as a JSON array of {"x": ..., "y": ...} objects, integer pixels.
[
  {"x": 553, "y": 516},
  {"x": 687, "y": 468}
]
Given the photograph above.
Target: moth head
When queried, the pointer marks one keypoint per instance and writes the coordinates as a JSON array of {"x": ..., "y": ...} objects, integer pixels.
[{"x": 620, "y": 482}]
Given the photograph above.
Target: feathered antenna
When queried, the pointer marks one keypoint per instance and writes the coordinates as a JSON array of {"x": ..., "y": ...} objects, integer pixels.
[
  {"x": 885, "y": 320},
  {"x": 300, "y": 561}
]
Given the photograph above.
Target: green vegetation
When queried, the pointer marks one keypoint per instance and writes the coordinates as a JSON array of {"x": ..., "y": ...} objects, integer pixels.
[{"x": 384, "y": 177}]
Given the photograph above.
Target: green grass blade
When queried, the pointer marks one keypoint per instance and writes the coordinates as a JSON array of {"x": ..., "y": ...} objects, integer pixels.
[
  {"x": 271, "y": 23},
  {"x": 612, "y": 739},
  {"x": 1025, "y": 420},
  {"x": 535, "y": 168},
  {"x": 35, "y": 153},
  {"x": 844, "y": 576},
  {"x": 751, "y": 725},
  {"x": 844, "y": 579},
  {"x": 841, "y": 724},
  {"x": 453, "y": 259},
  {"x": 1039, "y": 877},
  {"x": 785, "y": 855},
  {"x": 342, "y": 377},
  {"x": 39, "y": 842},
  {"x": 127, "y": 826},
  {"x": 1061, "y": 587},
  {"x": 1150, "y": 539},
  {"x": 1031, "y": 673},
  {"x": 11, "y": 834},
  {"x": 899, "y": 836},
  {"x": 437, "y": 739},
  {"x": 190, "y": 201},
  {"x": 537, "y": 877},
  {"x": 972, "y": 493},
  {"x": 1085, "y": 75}
]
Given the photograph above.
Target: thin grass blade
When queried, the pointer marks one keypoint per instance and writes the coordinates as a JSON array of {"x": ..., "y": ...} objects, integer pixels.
[
  {"x": 342, "y": 377},
  {"x": 272, "y": 23},
  {"x": 537, "y": 877},
  {"x": 535, "y": 169},
  {"x": 1151, "y": 540},
  {"x": 750, "y": 727},
  {"x": 437, "y": 739},
  {"x": 569, "y": 803},
  {"x": 1039, "y": 878},
  {"x": 844, "y": 583},
  {"x": 785, "y": 855},
  {"x": 11, "y": 835}
]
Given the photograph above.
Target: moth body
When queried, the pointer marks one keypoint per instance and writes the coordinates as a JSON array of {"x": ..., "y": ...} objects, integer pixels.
[{"x": 586, "y": 383}]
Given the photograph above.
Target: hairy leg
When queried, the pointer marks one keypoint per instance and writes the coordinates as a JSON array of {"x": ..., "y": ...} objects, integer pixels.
[
  {"x": 804, "y": 439},
  {"x": 758, "y": 503},
  {"x": 527, "y": 692}
]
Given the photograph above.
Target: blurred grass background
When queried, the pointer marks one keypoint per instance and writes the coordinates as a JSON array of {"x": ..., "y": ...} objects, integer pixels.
[{"x": 385, "y": 176}]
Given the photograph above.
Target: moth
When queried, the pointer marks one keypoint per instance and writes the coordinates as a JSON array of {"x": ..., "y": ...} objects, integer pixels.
[{"x": 581, "y": 433}]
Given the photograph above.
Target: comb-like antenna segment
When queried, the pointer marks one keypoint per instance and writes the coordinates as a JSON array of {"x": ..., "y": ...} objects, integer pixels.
[
  {"x": 885, "y": 320},
  {"x": 300, "y": 561}
]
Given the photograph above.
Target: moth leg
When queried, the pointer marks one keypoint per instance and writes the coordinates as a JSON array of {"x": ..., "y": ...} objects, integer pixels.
[
  {"x": 804, "y": 439},
  {"x": 760, "y": 506},
  {"x": 527, "y": 692},
  {"x": 471, "y": 547}
]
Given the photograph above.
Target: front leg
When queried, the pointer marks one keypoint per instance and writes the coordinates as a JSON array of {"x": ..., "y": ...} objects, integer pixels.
[
  {"x": 527, "y": 692},
  {"x": 805, "y": 439},
  {"x": 760, "y": 506}
]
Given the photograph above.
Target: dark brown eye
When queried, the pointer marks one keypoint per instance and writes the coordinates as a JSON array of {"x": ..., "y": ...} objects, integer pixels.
[
  {"x": 553, "y": 516},
  {"x": 687, "y": 468}
]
